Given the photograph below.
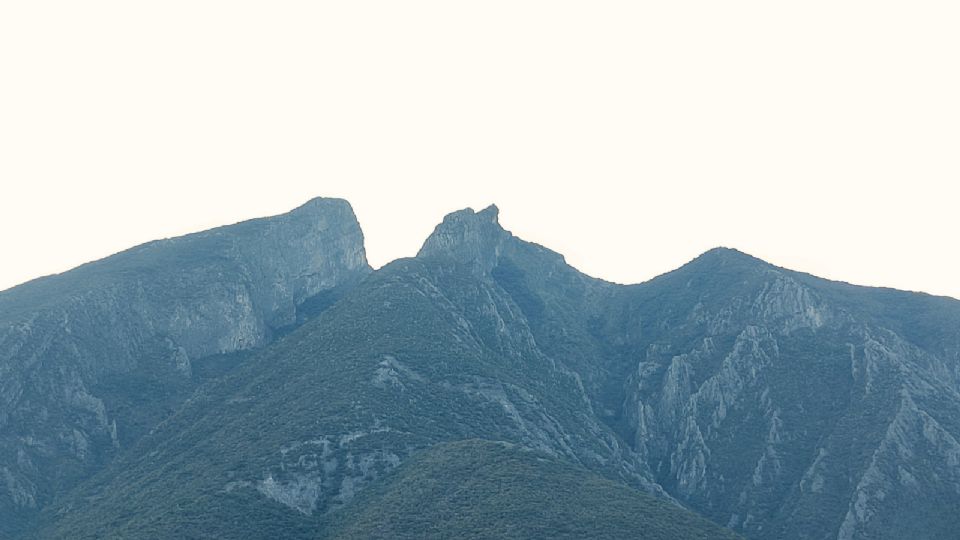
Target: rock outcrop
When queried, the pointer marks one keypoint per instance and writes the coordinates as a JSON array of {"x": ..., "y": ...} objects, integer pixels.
[
  {"x": 775, "y": 403},
  {"x": 92, "y": 358}
]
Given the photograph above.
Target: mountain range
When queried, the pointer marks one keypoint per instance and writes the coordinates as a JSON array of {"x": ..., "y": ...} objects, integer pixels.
[{"x": 261, "y": 380}]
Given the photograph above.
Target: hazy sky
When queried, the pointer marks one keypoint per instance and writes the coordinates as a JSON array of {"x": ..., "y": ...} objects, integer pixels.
[{"x": 630, "y": 136}]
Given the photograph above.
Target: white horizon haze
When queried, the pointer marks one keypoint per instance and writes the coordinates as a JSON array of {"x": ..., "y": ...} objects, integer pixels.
[{"x": 630, "y": 137}]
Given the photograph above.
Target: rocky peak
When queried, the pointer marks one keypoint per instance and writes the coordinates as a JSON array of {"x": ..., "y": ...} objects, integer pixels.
[
  {"x": 469, "y": 237},
  {"x": 726, "y": 268},
  {"x": 319, "y": 242},
  {"x": 730, "y": 257},
  {"x": 323, "y": 205},
  {"x": 321, "y": 230},
  {"x": 72, "y": 346}
]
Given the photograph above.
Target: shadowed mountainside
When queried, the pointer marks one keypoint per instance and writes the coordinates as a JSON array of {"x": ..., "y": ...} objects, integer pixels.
[
  {"x": 775, "y": 403},
  {"x": 453, "y": 490},
  {"x": 93, "y": 358}
]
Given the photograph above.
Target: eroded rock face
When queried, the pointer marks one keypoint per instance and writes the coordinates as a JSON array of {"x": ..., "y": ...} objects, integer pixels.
[
  {"x": 778, "y": 404},
  {"x": 773, "y": 402},
  {"x": 783, "y": 411},
  {"x": 326, "y": 472},
  {"x": 76, "y": 348},
  {"x": 471, "y": 238}
]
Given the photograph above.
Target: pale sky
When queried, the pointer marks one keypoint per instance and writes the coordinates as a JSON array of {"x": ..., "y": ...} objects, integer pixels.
[{"x": 630, "y": 136}]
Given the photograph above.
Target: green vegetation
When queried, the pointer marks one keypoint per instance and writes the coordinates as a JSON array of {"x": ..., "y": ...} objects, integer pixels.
[
  {"x": 386, "y": 371},
  {"x": 762, "y": 399},
  {"x": 477, "y": 489}
]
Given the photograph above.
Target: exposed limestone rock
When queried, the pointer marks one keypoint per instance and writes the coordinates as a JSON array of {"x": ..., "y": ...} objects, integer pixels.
[
  {"x": 472, "y": 238},
  {"x": 70, "y": 343},
  {"x": 391, "y": 372},
  {"x": 780, "y": 404},
  {"x": 321, "y": 473},
  {"x": 894, "y": 469}
]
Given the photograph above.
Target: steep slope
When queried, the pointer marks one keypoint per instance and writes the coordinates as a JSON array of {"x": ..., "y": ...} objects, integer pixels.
[
  {"x": 92, "y": 358},
  {"x": 787, "y": 406},
  {"x": 482, "y": 489},
  {"x": 776, "y": 403},
  {"x": 424, "y": 351}
]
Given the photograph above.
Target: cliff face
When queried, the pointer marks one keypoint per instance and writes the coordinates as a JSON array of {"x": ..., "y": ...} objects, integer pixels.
[
  {"x": 424, "y": 351},
  {"x": 776, "y": 403},
  {"x": 786, "y": 406},
  {"x": 91, "y": 358},
  {"x": 772, "y": 402}
]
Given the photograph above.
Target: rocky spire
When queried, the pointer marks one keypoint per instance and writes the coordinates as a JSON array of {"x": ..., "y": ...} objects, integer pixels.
[{"x": 472, "y": 238}]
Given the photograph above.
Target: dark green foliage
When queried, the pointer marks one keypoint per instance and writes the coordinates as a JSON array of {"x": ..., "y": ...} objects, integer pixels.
[
  {"x": 765, "y": 400},
  {"x": 320, "y": 383},
  {"x": 513, "y": 280},
  {"x": 480, "y": 489},
  {"x": 93, "y": 359}
]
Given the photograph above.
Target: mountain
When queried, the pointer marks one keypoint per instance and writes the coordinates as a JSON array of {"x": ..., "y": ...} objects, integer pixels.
[
  {"x": 774, "y": 403},
  {"x": 777, "y": 403},
  {"x": 452, "y": 490},
  {"x": 93, "y": 358},
  {"x": 422, "y": 351},
  {"x": 786, "y": 406}
]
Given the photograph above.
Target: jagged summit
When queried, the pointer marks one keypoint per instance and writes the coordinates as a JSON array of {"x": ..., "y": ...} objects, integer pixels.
[
  {"x": 92, "y": 336},
  {"x": 472, "y": 238},
  {"x": 320, "y": 235},
  {"x": 779, "y": 404},
  {"x": 489, "y": 215},
  {"x": 476, "y": 238},
  {"x": 492, "y": 211}
]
